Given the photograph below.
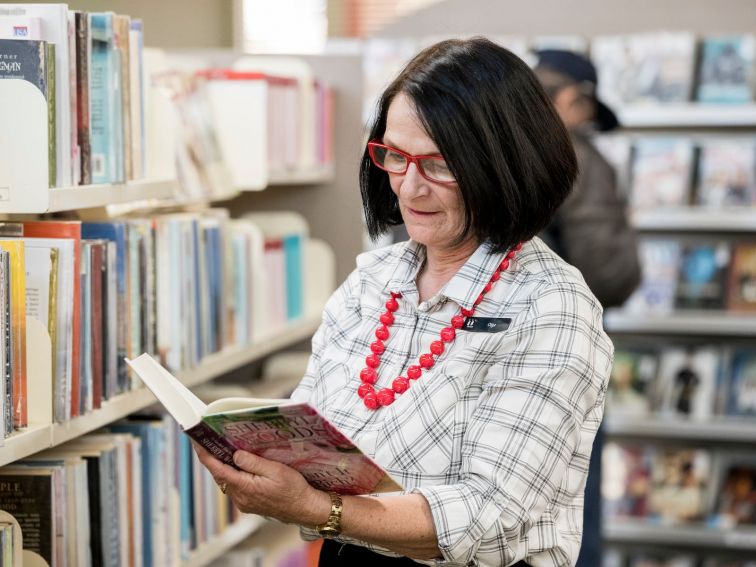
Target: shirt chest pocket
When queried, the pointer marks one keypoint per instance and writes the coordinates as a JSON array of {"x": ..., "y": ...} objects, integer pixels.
[{"x": 423, "y": 432}]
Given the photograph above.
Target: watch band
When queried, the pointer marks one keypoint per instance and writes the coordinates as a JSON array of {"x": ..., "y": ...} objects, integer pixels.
[{"x": 332, "y": 526}]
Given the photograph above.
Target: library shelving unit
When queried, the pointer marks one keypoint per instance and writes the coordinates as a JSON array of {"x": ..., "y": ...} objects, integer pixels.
[
  {"x": 686, "y": 326},
  {"x": 24, "y": 191}
]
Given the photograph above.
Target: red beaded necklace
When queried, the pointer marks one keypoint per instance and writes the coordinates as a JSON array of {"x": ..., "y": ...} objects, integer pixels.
[{"x": 369, "y": 375}]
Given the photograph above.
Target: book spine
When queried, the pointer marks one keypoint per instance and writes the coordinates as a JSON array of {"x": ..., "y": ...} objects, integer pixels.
[
  {"x": 6, "y": 342},
  {"x": 51, "y": 112},
  {"x": 82, "y": 96},
  {"x": 100, "y": 94},
  {"x": 218, "y": 446}
]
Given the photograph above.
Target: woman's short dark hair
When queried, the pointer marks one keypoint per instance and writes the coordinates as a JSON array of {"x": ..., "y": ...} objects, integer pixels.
[{"x": 498, "y": 131}]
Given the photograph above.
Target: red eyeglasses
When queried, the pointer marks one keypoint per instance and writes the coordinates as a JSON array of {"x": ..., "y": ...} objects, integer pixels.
[{"x": 392, "y": 160}]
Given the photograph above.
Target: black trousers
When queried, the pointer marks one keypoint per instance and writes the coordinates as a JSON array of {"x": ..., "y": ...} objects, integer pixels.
[{"x": 335, "y": 554}]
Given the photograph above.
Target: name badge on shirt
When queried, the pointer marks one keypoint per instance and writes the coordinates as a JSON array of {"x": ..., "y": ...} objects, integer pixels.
[{"x": 486, "y": 324}]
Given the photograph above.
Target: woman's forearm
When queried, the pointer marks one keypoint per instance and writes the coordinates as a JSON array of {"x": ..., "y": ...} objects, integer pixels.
[{"x": 403, "y": 524}]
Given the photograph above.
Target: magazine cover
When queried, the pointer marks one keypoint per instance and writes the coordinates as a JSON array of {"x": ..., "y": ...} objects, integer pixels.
[
  {"x": 741, "y": 389},
  {"x": 741, "y": 291},
  {"x": 660, "y": 263},
  {"x": 631, "y": 387},
  {"x": 625, "y": 480},
  {"x": 727, "y": 173},
  {"x": 726, "y": 69},
  {"x": 735, "y": 490},
  {"x": 680, "y": 480},
  {"x": 661, "y": 173},
  {"x": 688, "y": 382},
  {"x": 703, "y": 276}
]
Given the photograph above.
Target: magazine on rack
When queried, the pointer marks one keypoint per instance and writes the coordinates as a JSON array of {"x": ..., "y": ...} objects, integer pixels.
[{"x": 289, "y": 432}]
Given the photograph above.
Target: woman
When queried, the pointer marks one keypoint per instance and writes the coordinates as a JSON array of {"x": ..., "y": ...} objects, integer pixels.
[{"x": 485, "y": 386}]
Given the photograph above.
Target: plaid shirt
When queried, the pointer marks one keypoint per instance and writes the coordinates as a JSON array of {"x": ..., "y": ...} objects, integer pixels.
[{"x": 497, "y": 435}]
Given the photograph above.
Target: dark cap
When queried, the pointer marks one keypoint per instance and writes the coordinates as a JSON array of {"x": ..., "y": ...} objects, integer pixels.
[{"x": 580, "y": 69}]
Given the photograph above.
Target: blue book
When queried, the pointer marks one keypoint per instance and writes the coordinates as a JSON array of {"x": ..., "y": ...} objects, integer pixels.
[
  {"x": 195, "y": 299},
  {"x": 726, "y": 70},
  {"x": 185, "y": 494},
  {"x": 101, "y": 98},
  {"x": 241, "y": 290},
  {"x": 292, "y": 245},
  {"x": 741, "y": 395},
  {"x": 116, "y": 232}
]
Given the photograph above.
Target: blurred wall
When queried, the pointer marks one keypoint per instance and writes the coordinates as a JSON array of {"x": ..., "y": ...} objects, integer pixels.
[
  {"x": 173, "y": 23},
  {"x": 581, "y": 17}
]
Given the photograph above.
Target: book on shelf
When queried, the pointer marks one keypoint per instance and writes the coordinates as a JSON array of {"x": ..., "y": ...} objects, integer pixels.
[
  {"x": 281, "y": 430},
  {"x": 17, "y": 279},
  {"x": 103, "y": 98},
  {"x": 632, "y": 558},
  {"x": 740, "y": 384},
  {"x": 741, "y": 289},
  {"x": 660, "y": 260},
  {"x": 83, "y": 132},
  {"x": 735, "y": 495},
  {"x": 631, "y": 391},
  {"x": 727, "y": 173},
  {"x": 726, "y": 70},
  {"x": 687, "y": 382},
  {"x": 6, "y": 368},
  {"x": 54, "y": 30},
  {"x": 702, "y": 283},
  {"x": 30, "y": 61},
  {"x": 661, "y": 173}
]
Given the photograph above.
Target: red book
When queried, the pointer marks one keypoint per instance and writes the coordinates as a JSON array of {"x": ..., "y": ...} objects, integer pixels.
[
  {"x": 72, "y": 230},
  {"x": 97, "y": 255}
]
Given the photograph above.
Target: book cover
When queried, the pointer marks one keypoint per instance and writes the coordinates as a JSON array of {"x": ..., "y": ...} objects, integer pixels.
[
  {"x": 54, "y": 31},
  {"x": 726, "y": 69},
  {"x": 741, "y": 289},
  {"x": 17, "y": 261},
  {"x": 703, "y": 276},
  {"x": 97, "y": 251},
  {"x": 70, "y": 230},
  {"x": 687, "y": 381},
  {"x": 661, "y": 173},
  {"x": 735, "y": 490},
  {"x": 20, "y": 27},
  {"x": 281, "y": 430},
  {"x": 727, "y": 173},
  {"x": 83, "y": 134},
  {"x": 631, "y": 386},
  {"x": 680, "y": 481},
  {"x": 28, "y": 495},
  {"x": 625, "y": 480},
  {"x": 741, "y": 386},
  {"x": 6, "y": 375},
  {"x": 664, "y": 66},
  {"x": 101, "y": 94},
  {"x": 660, "y": 262}
]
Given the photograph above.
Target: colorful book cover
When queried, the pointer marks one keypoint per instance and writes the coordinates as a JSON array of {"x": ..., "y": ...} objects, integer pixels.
[
  {"x": 660, "y": 261},
  {"x": 741, "y": 389},
  {"x": 741, "y": 290},
  {"x": 726, "y": 69},
  {"x": 68, "y": 230},
  {"x": 688, "y": 382},
  {"x": 735, "y": 502},
  {"x": 680, "y": 483},
  {"x": 280, "y": 430},
  {"x": 625, "y": 480},
  {"x": 661, "y": 173},
  {"x": 631, "y": 387},
  {"x": 16, "y": 252},
  {"x": 727, "y": 173},
  {"x": 101, "y": 96},
  {"x": 703, "y": 276}
]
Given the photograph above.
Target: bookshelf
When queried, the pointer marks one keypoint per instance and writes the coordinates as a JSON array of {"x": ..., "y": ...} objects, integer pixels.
[
  {"x": 688, "y": 323},
  {"x": 37, "y": 438},
  {"x": 688, "y": 537},
  {"x": 715, "y": 430},
  {"x": 312, "y": 176},
  {"x": 696, "y": 219},
  {"x": 227, "y": 539},
  {"x": 690, "y": 115}
]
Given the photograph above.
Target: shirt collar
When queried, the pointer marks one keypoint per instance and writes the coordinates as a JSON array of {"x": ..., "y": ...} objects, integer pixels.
[{"x": 465, "y": 285}]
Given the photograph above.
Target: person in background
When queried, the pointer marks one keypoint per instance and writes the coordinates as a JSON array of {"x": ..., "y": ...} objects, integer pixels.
[
  {"x": 590, "y": 230},
  {"x": 470, "y": 362}
]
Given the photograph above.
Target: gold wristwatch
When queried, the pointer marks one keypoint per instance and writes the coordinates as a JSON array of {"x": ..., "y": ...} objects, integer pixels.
[{"x": 332, "y": 526}]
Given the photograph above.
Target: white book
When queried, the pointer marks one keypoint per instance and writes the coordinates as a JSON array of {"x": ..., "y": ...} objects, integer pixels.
[
  {"x": 20, "y": 27},
  {"x": 38, "y": 267},
  {"x": 136, "y": 84},
  {"x": 54, "y": 29}
]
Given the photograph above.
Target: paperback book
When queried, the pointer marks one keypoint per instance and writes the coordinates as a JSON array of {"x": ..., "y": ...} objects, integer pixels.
[{"x": 279, "y": 430}]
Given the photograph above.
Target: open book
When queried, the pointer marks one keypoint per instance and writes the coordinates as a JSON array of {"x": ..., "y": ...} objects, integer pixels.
[{"x": 288, "y": 432}]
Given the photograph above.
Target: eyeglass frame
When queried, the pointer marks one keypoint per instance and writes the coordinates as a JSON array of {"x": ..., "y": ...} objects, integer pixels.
[{"x": 410, "y": 159}]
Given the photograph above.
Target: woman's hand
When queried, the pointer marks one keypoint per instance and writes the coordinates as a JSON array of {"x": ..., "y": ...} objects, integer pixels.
[{"x": 268, "y": 488}]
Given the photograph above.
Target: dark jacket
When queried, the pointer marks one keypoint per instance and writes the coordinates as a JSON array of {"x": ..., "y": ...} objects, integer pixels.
[{"x": 591, "y": 230}]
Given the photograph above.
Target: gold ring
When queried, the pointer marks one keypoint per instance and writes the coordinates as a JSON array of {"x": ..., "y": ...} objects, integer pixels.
[{"x": 223, "y": 487}]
